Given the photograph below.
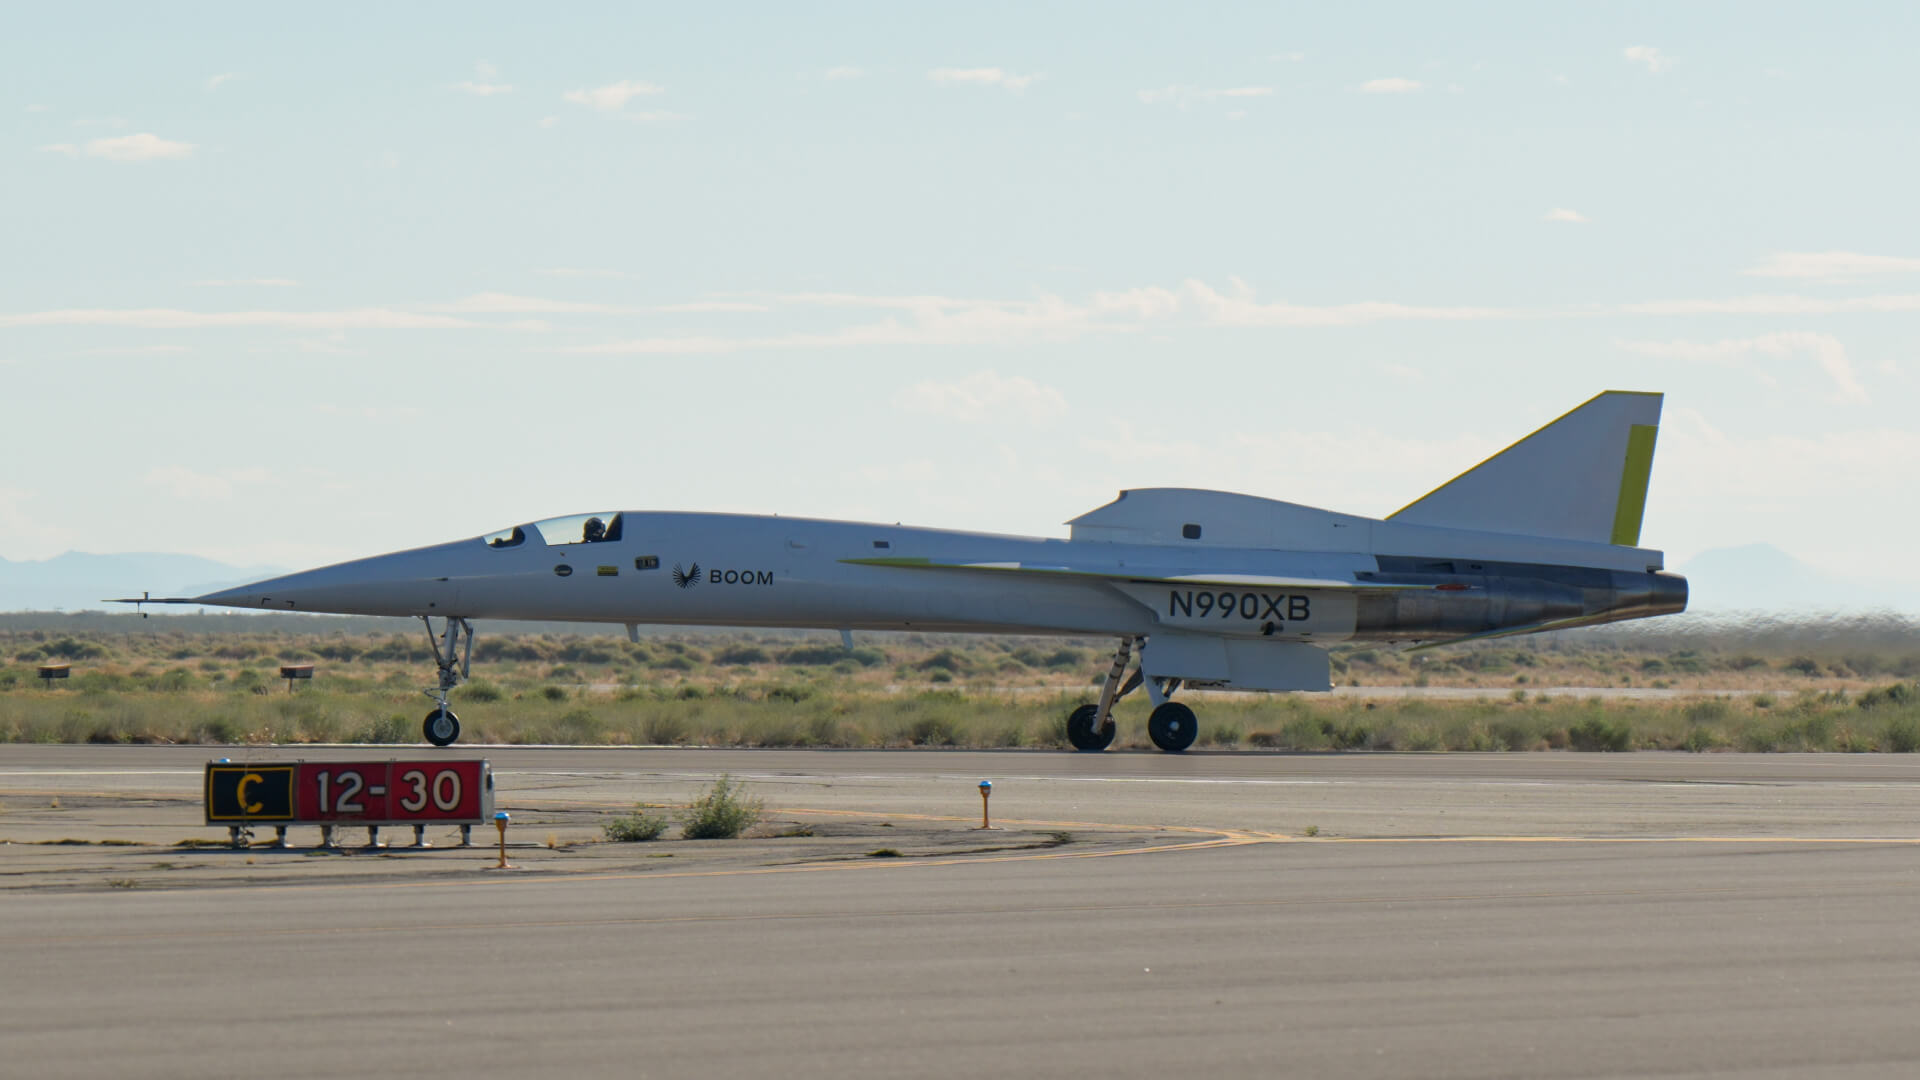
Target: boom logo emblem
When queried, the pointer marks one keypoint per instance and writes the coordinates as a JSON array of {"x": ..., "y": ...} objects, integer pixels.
[{"x": 686, "y": 579}]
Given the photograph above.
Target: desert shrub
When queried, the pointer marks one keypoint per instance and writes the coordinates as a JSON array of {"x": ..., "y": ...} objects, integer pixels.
[
  {"x": 1902, "y": 735},
  {"x": 481, "y": 691},
  {"x": 664, "y": 729},
  {"x": 1599, "y": 734},
  {"x": 397, "y": 649},
  {"x": 635, "y": 828},
  {"x": 588, "y": 651},
  {"x": 723, "y": 813},
  {"x": 67, "y": 648},
  {"x": 392, "y": 728},
  {"x": 741, "y": 655},
  {"x": 1707, "y": 712},
  {"x": 675, "y": 662},
  {"x": 578, "y": 726},
  {"x": 520, "y": 650},
  {"x": 554, "y": 693},
  {"x": 1805, "y": 665},
  {"x": 945, "y": 660},
  {"x": 1897, "y": 694},
  {"x": 813, "y": 655},
  {"x": 174, "y": 680},
  {"x": 790, "y": 694},
  {"x": 1065, "y": 657}
]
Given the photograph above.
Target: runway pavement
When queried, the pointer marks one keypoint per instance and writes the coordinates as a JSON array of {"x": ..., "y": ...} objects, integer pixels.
[{"x": 1453, "y": 915}]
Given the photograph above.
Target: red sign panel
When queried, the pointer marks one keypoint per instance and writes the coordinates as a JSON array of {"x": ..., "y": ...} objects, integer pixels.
[{"x": 392, "y": 792}]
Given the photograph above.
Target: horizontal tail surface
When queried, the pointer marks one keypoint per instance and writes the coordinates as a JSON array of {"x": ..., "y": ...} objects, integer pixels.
[{"x": 1582, "y": 477}]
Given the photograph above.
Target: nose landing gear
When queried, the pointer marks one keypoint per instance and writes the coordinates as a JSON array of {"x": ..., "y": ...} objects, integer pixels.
[{"x": 455, "y": 662}]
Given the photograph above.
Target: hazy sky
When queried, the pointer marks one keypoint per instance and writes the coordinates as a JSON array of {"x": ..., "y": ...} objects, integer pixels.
[{"x": 289, "y": 284}]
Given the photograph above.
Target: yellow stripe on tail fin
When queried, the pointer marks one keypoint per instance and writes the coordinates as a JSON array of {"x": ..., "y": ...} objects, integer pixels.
[{"x": 1582, "y": 477}]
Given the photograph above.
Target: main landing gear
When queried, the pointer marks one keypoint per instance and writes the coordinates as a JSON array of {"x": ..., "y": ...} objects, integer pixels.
[
  {"x": 1171, "y": 725},
  {"x": 442, "y": 727}
]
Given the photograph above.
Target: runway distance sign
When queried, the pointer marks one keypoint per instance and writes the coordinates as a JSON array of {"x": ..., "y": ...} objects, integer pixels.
[{"x": 352, "y": 792}]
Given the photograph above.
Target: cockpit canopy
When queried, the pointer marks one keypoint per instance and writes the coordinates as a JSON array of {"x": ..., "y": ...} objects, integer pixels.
[{"x": 573, "y": 529}]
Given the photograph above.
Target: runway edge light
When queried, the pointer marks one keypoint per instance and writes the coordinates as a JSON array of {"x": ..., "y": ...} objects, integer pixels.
[
  {"x": 500, "y": 820},
  {"x": 986, "y": 792}
]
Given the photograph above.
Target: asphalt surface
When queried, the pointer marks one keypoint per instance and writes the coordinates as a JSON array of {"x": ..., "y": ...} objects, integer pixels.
[{"x": 1525, "y": 915}]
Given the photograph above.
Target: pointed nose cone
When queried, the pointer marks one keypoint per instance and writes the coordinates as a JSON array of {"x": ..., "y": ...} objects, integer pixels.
[{"x": 418, "y": 582}]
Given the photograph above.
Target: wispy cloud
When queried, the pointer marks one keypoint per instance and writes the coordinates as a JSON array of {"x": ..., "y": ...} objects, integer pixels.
[
  {"x": 942, "y": 320},
  {"x": 836, "y": 74},
  {"x": 1395, "y": 85},
  {"x": 175, "y": 319},
  {"x": 613, "y": 96},
  {"x": 1818, "y": 265},
  {"x": 579, "y": 272},
  {"x": 39, "y": 108},
  {"x": 982, "y": 77},
  {"x": 261, "y": 282},
  {"x": 142, "y": 147},
  {"x": 984, "y": 396},
  {"x": 184, "y": 483},
  {"x": 138, "y": 350},
  {"x": 217, "y": 81},
  {"x": 1824, "y": 350},
  {"x": 1561, "y": 213},
  {"x": 481, "y": 89},
  {"x": 495, "y": 303},
  {"x": 1648, "y": 57},
  {"x": 1185, "y": 96},
  {"x": 1778, "y": 305}
]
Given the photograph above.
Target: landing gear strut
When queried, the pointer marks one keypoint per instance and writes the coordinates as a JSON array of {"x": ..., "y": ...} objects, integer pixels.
[
  {"x": 455, "y": 663},
  {"x": 1171, "y": 725}
]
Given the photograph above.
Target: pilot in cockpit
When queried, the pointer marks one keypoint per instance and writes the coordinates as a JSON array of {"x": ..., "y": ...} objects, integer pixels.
[{"x": 596, "y": 530}]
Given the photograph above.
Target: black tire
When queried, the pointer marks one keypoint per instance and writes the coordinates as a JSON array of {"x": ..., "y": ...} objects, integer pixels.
[
  {"x": 1080, "y": 730},
  {"x": 441, "y": 727},
  {"x": 1172, "y": 727}
]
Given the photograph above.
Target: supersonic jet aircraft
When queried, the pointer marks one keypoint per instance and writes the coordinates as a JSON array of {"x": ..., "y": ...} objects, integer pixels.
[{"x": 1211, "y": 589}]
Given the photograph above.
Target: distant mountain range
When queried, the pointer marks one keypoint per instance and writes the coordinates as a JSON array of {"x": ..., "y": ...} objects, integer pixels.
[
  {"x": 1761, "y": 577},
  {"x": 79, "y": 581},
  {"x": 1757, "y": 577}
]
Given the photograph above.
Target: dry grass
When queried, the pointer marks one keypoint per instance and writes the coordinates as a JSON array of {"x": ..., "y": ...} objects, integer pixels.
[{"x": 1824, "y": 687}]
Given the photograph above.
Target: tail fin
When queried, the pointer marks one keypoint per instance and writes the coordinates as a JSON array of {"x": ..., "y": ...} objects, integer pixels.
[{"x": 1582, "y": 477}]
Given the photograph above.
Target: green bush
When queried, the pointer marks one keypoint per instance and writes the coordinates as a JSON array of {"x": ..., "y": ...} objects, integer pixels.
[
  {"x": 741, "y": 655},
  {"x": 664, "y": 729},
  {"x": 1597, "y": 733},
  {"x": 481, "y": 691},
  {"x": 1897, "y": 694},
  {"x": 723, "y": 813},
  {"x": 635, "y": 828},
  {"x": 1902, "y": 735},
  {"x": 813, "y": 655}
]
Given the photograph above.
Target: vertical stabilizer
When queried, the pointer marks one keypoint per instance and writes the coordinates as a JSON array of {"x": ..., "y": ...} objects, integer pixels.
[{"x": 1582, "y": 477}]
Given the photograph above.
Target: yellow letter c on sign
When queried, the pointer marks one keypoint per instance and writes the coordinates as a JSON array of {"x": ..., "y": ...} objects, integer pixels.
[{"x": 240, "y": 793}]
